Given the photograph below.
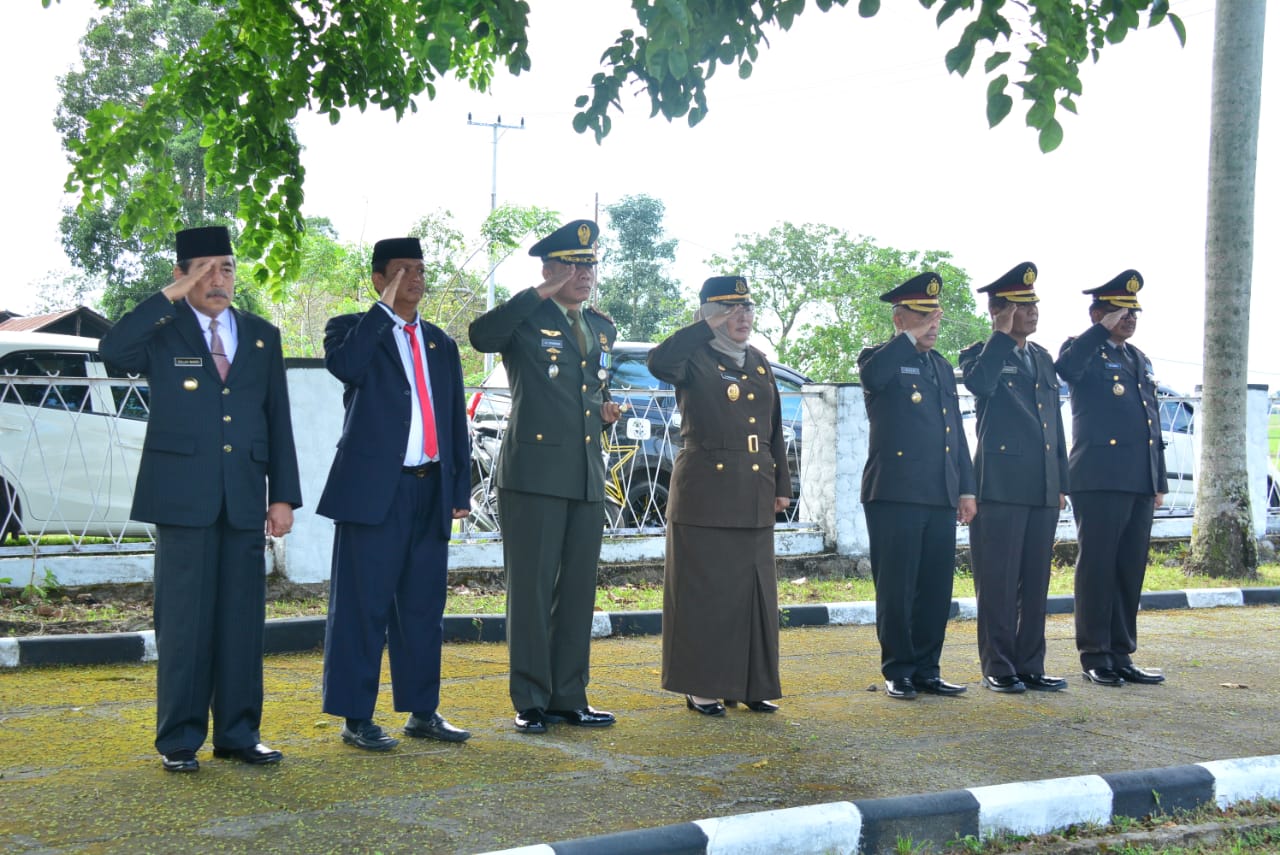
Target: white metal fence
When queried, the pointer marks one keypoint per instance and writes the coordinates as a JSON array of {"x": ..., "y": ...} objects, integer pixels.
[{"x": 70, "y": 446}]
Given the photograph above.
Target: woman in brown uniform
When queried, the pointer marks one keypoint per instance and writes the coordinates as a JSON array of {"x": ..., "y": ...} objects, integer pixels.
[{"x": 720, "y": 598}]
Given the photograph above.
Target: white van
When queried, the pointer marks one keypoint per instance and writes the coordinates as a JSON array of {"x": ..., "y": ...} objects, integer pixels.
[{"x": 70, "y": 439}]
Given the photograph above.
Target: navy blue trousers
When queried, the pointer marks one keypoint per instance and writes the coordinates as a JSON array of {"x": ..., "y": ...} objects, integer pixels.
[{"x": 388, "y": 585}]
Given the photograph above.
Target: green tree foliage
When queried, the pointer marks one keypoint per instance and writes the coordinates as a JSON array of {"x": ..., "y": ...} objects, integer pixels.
[
  {"x": 817, "y": 292},
  {"x": 634, "y": 288},
  {"x": 262, "y": 61},
  {"x": 123, "y": 57}
]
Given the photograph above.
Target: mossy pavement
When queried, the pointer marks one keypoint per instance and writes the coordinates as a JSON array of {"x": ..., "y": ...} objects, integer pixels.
[{"x": 78, "y": 772}]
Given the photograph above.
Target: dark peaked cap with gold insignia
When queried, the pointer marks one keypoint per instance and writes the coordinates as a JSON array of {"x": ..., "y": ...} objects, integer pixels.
[
  {"x": 1119, "y": 293},
  {"x": 919, "y": 293},
  {"x": 202, "y": 242},
  {"x": 1016, "y": 286},
  {"x": 725, "y": 289},
  {"x": 572, "y": 243}
]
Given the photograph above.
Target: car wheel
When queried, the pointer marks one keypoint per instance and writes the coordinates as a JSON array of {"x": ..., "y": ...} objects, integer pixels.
[
  {"x": 647, "y": 501},
  {"x": 484, "y": 508}
]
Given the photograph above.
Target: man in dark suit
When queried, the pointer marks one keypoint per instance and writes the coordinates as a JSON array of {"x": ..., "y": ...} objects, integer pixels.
[
  {"x": 1020, "y": 467},
  {"x": 218, "y": 462},
  {"x": 1117, "y": 479},
  {"x": 917, "y": 482},
  {"x": 401, "y": 476},
  {"x": 550, "y": 476}
]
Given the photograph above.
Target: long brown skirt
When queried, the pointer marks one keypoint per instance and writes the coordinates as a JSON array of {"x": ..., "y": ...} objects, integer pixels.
[{"x": 720, "y": 613}]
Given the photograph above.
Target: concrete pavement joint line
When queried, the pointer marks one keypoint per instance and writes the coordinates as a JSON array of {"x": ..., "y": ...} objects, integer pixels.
[
  {"x": 1031, "y": 807},
  {"x": 294, "y": 635}
]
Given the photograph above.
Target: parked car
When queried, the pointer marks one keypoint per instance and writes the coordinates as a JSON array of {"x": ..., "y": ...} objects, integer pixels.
[
  {"x": 67, "y": 463},
  {"x": 644, "y": 443},
  {"x": 1177, "y": 426}
]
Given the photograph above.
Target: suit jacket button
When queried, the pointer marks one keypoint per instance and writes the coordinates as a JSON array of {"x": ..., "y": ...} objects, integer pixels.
[
  {"x": 587, "y": 438},
  {"x": 755, "y": 467},
  {"x": 226, "y": 391},
  {"x": 1113, "y": 442},
  {"x": 751, "y": 396},
  {"x": 751, "y": 420},
  {"x": 899, "y": 453},
  {"x": 947, "y": 449},
  {"x": 226, "y": 418},
  {"x": 227, "y": 449},
  {"x": 719, "y": 467},
  {"x": 539, "y": 437}
]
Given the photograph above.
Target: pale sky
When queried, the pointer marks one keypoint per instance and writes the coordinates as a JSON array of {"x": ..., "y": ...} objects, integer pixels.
[{"x": 848, "y": 122}]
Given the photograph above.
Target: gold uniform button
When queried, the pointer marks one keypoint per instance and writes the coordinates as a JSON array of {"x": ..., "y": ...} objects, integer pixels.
[
  {"x": 947, "y": 449},
  {"x": 226, "y": 391},
  {"x": 553, "y": 357},
  {"x": 1037, "y": 385},
  {"x": 227, "y": 449},
  {"x": 1148, "y": 422},
  {"x": 759, "y": 369},
  {"x": 1040, "y": 406},
  {"x": 755, "y": 467},
  {"x": 584, "y": 387},
  {"x": 587, "y": 438},
  {"x": 1044, "y": 425},
  {"x": 539, "y": 437},
  {"x": 1113, "y": 442},
  {"x": 948, "y": 428},
  {"x": 899, "y": 453},
  {"x": 751, "y": 420},
  {"x": 944, "y": 411},
  {"x": 1115, "y": 377},
  {"x": 1151, "y": 442},
  {"x": 226, "y": 418},
  {"x": 1046, "y": 446},
  {"x": 719, "y": 466},
  {"x": 588, "y": 412},
  {"x": 751, "y": 396},
  {"x": 1002, "y": 448},
  {"x": 584, "y": 363},
  {"x": 1010, "y": 384}
]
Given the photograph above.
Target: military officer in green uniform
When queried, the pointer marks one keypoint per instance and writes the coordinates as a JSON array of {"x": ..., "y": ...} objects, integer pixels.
[
  {"x": 550, "y": 476},
  {"x": 1118, "y": 479}
]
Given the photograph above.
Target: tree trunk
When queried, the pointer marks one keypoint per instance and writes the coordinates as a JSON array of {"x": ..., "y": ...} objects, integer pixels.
[{"x": 1222, "y": 542}]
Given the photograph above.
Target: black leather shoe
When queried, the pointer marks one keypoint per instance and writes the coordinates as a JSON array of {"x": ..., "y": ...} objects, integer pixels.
[
  {"x": 939, "y": 686},
  {"x": 714, "y": 708},
  {"x": 1103, "y": 676},
  {"x": 434, "y": 727},
  {"x": 1134, "y": 674},
  {"x": 1007, "y": 684},
  {"x": 182, "y": 760},
  {"x": 368, "y": 736},
  {"x": 531, "y": 721},
  {"x": 1042, "y": 682},
  {"x": 254, "y": 755},
  {"x": 902, "y": 689},
  {"x": 585, "y": 717},
  {"x": 754, "y": 706}
]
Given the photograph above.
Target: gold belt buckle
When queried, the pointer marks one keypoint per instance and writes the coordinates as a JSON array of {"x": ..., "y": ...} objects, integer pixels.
[{"x": 753, "y": 443}]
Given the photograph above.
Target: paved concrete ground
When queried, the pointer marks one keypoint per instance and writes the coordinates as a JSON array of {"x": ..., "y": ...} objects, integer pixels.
[{"x": 77, "y": 772}]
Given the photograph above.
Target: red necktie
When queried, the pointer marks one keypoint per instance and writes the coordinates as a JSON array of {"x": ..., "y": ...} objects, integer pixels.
[{"x": 424, "y": 396}]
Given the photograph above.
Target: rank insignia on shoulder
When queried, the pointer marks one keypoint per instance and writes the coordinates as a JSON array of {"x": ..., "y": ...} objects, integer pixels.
[
  {"x": 759, "y": 369},
  {"x": 550, "y": 332}
]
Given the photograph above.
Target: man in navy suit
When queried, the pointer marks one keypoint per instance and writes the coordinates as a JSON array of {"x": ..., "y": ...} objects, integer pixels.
[
  {"x": 218, "y": 466},
  {"x": 401, "y": 476}
]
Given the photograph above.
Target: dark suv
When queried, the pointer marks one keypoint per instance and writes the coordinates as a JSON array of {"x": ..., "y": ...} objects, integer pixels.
[{"x": 642, "y": 446}]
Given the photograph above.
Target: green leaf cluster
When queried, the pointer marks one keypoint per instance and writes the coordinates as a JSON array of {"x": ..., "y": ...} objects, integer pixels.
[
  {"x": 634, "y": 287},
  {"x": 817, "y": 291}
]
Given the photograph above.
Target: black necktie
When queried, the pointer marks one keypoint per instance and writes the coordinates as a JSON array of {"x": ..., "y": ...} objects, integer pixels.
[{"x": 926, "y": 368}]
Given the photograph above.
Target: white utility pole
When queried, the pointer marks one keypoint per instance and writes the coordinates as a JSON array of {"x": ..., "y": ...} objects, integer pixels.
[{"x": 493, "y": 206}]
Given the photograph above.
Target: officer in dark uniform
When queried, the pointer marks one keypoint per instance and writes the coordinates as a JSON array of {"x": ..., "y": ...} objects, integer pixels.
[
  {"x": 218, "y": 466},
  {"x": 917, "y": 483},
  {"x": 1020, "y": 466},
  {"x": 1117, "y": 479},
  {"x": 550, "y": 476}
]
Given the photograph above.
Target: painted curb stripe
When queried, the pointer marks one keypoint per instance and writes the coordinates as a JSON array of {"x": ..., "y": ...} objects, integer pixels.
[
  {"x": 293, "y": 635},
  {"x": 830, "y": 827},
  {"x": 1245, "y": 779},
  {"x": 683, "y": 839},
  {"x": 1038, "y": 807},
  {"x": 1160, "y": 791},
  {"x": 944, "y": 816}
]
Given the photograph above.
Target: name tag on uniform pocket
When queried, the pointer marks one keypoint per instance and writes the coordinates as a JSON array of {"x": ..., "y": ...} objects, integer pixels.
[
  {"x": 187, "y": 362},
  {"x": 909, "y": 369},
  {"x": 553, "y": 342},
  {"x": 1009, "y": 369}
]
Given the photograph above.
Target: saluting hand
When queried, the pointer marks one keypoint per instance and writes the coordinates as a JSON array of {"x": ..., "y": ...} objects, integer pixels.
[
  {"x": 388, "y": 295},
  {"x": 1002, "y": 321},
  {"x": 719, "y": 316},
  {"x": 200, "y": 270},
  {"x": 920, "y": 324},
  {"x": 1111, "y": 319},
  {"x": 559, "y": 277}
]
